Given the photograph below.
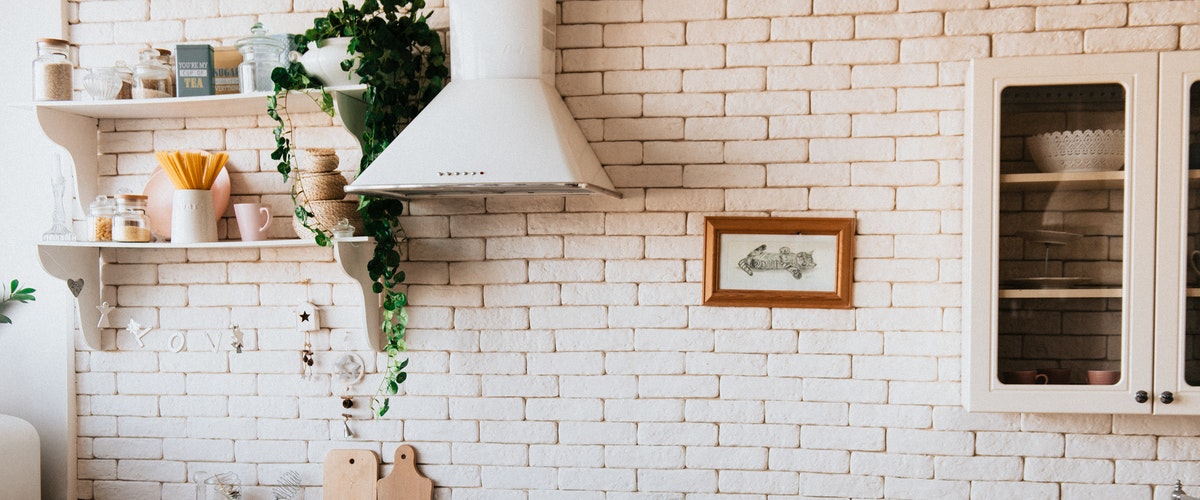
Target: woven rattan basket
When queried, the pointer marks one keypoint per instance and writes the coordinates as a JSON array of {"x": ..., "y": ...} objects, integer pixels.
[
  {"x": 321, "y": 160},
  {"x": 323, "y": 186}
]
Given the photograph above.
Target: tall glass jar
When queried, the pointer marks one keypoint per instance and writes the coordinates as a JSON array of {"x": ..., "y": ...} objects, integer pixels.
[
  {"x": 261, "y": 54},
  {"x": 151, "y": 78},
  {"x": 131, "y": 224},
  {"x": 52, "y": 70}
]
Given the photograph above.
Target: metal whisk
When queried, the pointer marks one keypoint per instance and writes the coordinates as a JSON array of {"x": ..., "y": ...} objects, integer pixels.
[{"x": 289, "y": 485}]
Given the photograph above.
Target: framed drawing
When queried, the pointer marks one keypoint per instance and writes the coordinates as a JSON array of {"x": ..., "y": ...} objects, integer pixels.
[{"x": 778, "y": 262}]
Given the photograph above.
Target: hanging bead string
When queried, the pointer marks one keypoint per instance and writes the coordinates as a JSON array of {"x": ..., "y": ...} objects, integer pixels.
[{"x": 306, "y": 355}]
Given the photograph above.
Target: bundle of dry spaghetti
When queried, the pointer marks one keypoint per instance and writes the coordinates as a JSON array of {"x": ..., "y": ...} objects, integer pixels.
[{"x": 192, "y": 169}]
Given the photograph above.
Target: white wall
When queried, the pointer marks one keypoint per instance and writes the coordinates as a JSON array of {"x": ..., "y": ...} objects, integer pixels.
[
  {"x": 37, "y": 361},
  {"x": 559, "y": 348}
]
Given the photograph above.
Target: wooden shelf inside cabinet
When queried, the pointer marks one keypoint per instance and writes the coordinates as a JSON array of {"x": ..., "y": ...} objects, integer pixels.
[
  {"x": 1061, "y": 293},
  {"x": 78, "y": 264},
  {"x": 1078, "y": 181},
  {"x": 74, "y": 124}
]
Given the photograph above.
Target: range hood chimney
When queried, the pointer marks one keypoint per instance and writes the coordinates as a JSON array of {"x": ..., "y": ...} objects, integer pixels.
[{"x": 499, "y": 127}]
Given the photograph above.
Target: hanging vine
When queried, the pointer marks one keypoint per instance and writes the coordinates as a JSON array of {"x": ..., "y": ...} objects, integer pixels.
[{"x": 400, "y": 58}]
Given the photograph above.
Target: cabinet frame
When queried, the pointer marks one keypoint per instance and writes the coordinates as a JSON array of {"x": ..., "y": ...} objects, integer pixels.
[
  {"x": 1178, "y": 71},
  {"x": 1138, "y": 74}
]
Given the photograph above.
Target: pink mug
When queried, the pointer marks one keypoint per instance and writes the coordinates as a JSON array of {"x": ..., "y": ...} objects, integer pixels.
[
  {"x": 1024, "y": 377},
  {"x": 253, "y": 219}
]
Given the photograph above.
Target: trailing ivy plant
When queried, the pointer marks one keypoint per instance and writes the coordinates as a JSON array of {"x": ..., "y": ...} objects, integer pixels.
[
  {"x": 15, "y": 293},
  {"x": 400, "y": 58}
]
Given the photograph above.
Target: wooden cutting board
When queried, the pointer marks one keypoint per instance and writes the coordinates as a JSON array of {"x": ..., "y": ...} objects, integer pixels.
[
  {"x": 404, "y": 482},
  {"x": 350, "y": 475}
]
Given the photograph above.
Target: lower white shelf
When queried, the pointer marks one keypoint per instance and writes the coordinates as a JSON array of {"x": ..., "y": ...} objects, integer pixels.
[{"x": 78, "y": 264}]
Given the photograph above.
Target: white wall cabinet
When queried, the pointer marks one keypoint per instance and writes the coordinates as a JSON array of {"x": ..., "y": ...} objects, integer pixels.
[
  {"x": 1082, "y": 270},
  {"x": 74, "y": 126}
]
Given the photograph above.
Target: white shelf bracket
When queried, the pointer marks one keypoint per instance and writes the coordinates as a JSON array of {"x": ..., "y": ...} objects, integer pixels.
[
  {"x": 353, "y": 256},
  {"x": 77, "y": 135},
  {"x": 79, "y": 268}
]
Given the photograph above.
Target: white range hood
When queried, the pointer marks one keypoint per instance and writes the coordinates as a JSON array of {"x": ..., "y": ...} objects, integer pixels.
[{"x": 499, "y": 127}]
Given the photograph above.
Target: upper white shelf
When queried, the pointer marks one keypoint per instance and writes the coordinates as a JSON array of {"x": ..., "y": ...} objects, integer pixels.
[
  {"x": 253, "y": 103},
  {"x": 74, "y": 124}
]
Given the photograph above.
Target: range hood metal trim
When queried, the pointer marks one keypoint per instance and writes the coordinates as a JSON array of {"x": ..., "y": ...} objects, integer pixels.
[{"x": 539, "y": 189}]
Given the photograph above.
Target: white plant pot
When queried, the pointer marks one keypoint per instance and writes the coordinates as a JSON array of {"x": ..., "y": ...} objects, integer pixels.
[{"x": 324, "y": 62}]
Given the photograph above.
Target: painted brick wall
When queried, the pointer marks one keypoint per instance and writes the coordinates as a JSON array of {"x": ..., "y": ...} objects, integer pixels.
[{"x": 558, "y": 346}]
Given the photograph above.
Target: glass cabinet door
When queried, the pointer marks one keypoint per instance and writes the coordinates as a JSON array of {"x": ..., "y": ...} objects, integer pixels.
[
  {"x": 1061, "y": 203},
  {"x": 1177, "y": 326}
]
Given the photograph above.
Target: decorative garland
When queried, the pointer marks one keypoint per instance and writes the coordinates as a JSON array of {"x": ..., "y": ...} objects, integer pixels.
[{"x": 401, "y": 60}]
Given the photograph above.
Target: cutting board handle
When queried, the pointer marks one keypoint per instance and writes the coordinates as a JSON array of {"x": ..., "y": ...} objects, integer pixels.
[{"x": 404, "y": 482}]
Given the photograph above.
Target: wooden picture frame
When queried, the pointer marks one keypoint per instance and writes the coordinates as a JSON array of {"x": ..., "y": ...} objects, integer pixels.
[{"x": 778, "y": 262}]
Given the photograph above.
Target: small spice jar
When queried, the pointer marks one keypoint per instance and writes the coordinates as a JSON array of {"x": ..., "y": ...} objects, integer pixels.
[
  {"x": 52, "y": 70},
  {"x": 131, "y": 224},
  {"x": 100, "y": 219}
]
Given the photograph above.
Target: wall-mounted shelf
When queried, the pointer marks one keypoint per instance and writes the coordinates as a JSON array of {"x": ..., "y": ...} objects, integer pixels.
[
  {"x": 78, "y": 265},
  {"x": 74, "y": 124}
]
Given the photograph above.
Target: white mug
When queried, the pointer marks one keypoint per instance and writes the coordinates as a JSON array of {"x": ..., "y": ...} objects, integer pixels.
[{"x": 253, "y": 219}]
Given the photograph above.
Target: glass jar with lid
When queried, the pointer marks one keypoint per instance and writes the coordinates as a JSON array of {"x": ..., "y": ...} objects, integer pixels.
[
  {"x": 52, "y": 79},
  {"x": 100, "y": 219},
  {"x": 126, "y": 74},
  {"x": 168, "y": 61},
  {"x": 151, "y": 78},
  {"x": 131, "y": 224},
  {"x": 261, "y": 54}
]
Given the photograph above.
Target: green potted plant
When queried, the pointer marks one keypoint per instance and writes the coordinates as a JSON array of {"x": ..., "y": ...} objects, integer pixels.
[
  {"x": 400, "y": 59},
  {"x": 15, "y": 293}
]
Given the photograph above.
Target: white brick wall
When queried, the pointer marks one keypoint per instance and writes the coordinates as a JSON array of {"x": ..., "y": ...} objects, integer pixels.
[{"x": 559, "y": 349}]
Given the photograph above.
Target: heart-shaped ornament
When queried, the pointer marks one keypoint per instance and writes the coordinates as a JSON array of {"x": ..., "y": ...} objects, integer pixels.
[{"x": 75, "y": 286}]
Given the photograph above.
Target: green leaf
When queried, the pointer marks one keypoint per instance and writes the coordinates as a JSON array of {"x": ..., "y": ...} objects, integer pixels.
[
  {"x": 4, "y": 319},
  {"x": 13, "y": 287}
]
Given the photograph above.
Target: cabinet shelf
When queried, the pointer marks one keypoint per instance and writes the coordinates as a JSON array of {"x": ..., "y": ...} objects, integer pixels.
[
  {"x": 1062, "y": 180},
  {"x": 1060, "y": 293},
  {"x": 78, "y": 265}
]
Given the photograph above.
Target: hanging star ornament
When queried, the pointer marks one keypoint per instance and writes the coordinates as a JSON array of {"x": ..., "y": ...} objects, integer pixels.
[
  {"x": 137, "y": 331},
  {"x": 104, "y": 309},
  {"x": 306, "y": 317}
]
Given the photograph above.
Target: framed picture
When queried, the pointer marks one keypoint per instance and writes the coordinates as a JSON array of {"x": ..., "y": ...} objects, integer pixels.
[{"x": 778, "y": 262}]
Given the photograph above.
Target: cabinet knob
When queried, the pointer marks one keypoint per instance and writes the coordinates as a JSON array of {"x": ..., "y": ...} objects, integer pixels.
[
  {"x": 1167, "y": 397},
  {"x": 1141, "y": 396}
]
